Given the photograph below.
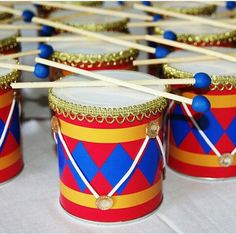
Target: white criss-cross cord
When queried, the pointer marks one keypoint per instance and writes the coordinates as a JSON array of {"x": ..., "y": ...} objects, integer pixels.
[
  {"x": 201, "y": 132},
  {"x": 4, "y": 132}
]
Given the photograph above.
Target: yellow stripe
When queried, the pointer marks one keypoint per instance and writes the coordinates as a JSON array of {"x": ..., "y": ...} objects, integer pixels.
[
  {"x": 217, "y": 101},
  {"x": 122, "y": 201},
  {"x": 96, "y": 135},
  {"x": 10, "y": 159},
  {"x": 6, "y": 99},
  {"x": 195, "y": 159}
]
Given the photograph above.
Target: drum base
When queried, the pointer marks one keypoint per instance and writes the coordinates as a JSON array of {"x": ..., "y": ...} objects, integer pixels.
[
  {"x": 201, "y": 179},
  {"x": 12, "y": 178},
  {"x": 112, "y": 223}
]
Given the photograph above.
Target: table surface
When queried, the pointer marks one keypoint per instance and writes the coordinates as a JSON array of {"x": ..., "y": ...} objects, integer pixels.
[{"x": 29, "y": 202}]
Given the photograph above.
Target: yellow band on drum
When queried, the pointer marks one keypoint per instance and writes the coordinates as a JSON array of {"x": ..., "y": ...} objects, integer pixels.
[
  {"x": 119, "y": 202},
  {"x": 8, "y": 160},
  {"x": 116, "y": 135},
  {"x": 6, "y": 99},
  {"x": 195, "y": 159},
  {"x": 217, "y": 101}
]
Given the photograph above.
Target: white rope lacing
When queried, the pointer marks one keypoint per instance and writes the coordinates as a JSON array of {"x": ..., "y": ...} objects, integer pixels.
[
  {"x": 204, "y": 136},
  {"x": 4, "y": 133},
  {"x": 83, "y": 178}
]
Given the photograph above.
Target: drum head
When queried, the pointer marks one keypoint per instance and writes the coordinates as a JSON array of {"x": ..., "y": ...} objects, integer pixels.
[
  {"x": 6, "y": 71},
  {"x": 89, "y": 46},
  {"x": 82, "y": 18},
  {"x": 7, "y": 33},
  {"x": 217, "y": 67},
  {"x": 110, "y": 96}
]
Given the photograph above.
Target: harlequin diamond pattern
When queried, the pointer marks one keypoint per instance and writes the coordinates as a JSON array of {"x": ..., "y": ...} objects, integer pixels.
[
  {"x": 13, "y": 129},
  {"x": 114, "y": 168},
  {"x": 231, "y": 131},
  {"x": 181, "y": 126}
]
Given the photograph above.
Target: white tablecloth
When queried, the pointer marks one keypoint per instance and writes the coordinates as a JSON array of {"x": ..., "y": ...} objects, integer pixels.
[{"x": 29, "y": 203}]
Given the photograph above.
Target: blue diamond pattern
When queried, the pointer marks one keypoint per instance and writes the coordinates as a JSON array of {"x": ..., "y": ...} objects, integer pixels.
[
  {"x": 15, "y": 125},
  {"x": 211, "y": 128},
  {"x": 179, "y": 125},
  {"x": 231, "y": 131},
  {"x": 116, "y": 166},
  {"x": 151, "y": 157},
  {"x": 61, "y": 156},
  {"x": 2, "y": 125},
  {"x": 85, "y": 163}
]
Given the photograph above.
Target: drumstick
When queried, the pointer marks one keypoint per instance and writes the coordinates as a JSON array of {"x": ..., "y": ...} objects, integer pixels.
[
  {"x": 82, "y": 32},
  {"x": 168, "y": 23},
  {"x": 70, "y": 84},
  {"x": 73, "y": 38},
  {"x": 199, "y": 103},
  {"x": 190, "y": 47},
  {"x": 19, "y": 27},
  {"x": 95, "y": 10},
  {"x": 44, "y": 51},
  {"x": 176, "y": 60},
  {"x": 184, "y": 16}
]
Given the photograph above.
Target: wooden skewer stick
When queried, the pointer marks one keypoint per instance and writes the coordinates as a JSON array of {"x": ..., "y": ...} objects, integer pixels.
[
  {"x": 175, "y": 60},
  {"x": 68, "y": 28},
  {"x": 20, "y": 54},
  {"x": 190, "y": 47},
  {"x": 73, "y": 38},
  {"x": 19, "y": 27},
  {"x": 73, "y": 84},
  {"x": 168, "y": 23},
  {"x": 17, "y": 67},
  {"x": 184, "y": 16},
  {"x": 95, "y": 10},
  {"x": 114, "y": 81}
]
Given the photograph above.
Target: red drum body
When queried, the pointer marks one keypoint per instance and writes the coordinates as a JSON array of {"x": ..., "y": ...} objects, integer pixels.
[
  {"x": 207, "y": 148},
  {"x": 11, "y": 162},
  {"x": 109, "y": 145}
]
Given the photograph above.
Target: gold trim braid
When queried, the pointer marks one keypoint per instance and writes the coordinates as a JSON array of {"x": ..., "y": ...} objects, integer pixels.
[
  {"x": 218, "y": 82},
  {"x": 101, "y": 114},
  {"x": 119, "y": 25},
  {"x": 201, "y": 10},
  {"x": 90, "y": 60},
  {"x": 9, "y": 42},
  {"x": 216, "y": 39},
  {"x": 11, "y": 77}
]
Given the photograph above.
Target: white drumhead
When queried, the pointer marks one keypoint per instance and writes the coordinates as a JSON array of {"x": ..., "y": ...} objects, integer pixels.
[
  {"x": 113, "y": 97},
  {"x": 7, "y": 33},
  {"x": 179, "y": 4},
  {"x": 195, "y": 28},
  {"x": 6, "y": 71},
  {"x": 83, "y": 19},
  {"x": 212, "y": 67},
  {"x": 88, "y": 47}
]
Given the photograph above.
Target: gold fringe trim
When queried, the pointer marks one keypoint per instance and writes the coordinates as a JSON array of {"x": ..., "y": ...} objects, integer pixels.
[
  {"x": 109, "y": 115},
  {"x": 218, "y": 82}
]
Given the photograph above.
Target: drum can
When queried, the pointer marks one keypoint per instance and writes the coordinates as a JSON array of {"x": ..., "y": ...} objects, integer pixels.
[
  {"x": 11, "y": 162},
  {"x": 204, "y": 145},
  {"x": 110, "y": 160}
]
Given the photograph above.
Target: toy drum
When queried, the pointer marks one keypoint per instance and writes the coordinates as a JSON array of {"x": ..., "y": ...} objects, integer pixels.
[
  {"x": 91, "y": 22},
  {"x": 11, "y": 162},
  {"x": 44, "y": 11},
  {"x": 8, "y": 44},
  {"x": 190, "y": 8},
  {"x": 200, "y": 35},
  {"x": 109, "y": 142},
  {"x": 91, "y": 55},
  {"x": 204, "y": 145}
]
